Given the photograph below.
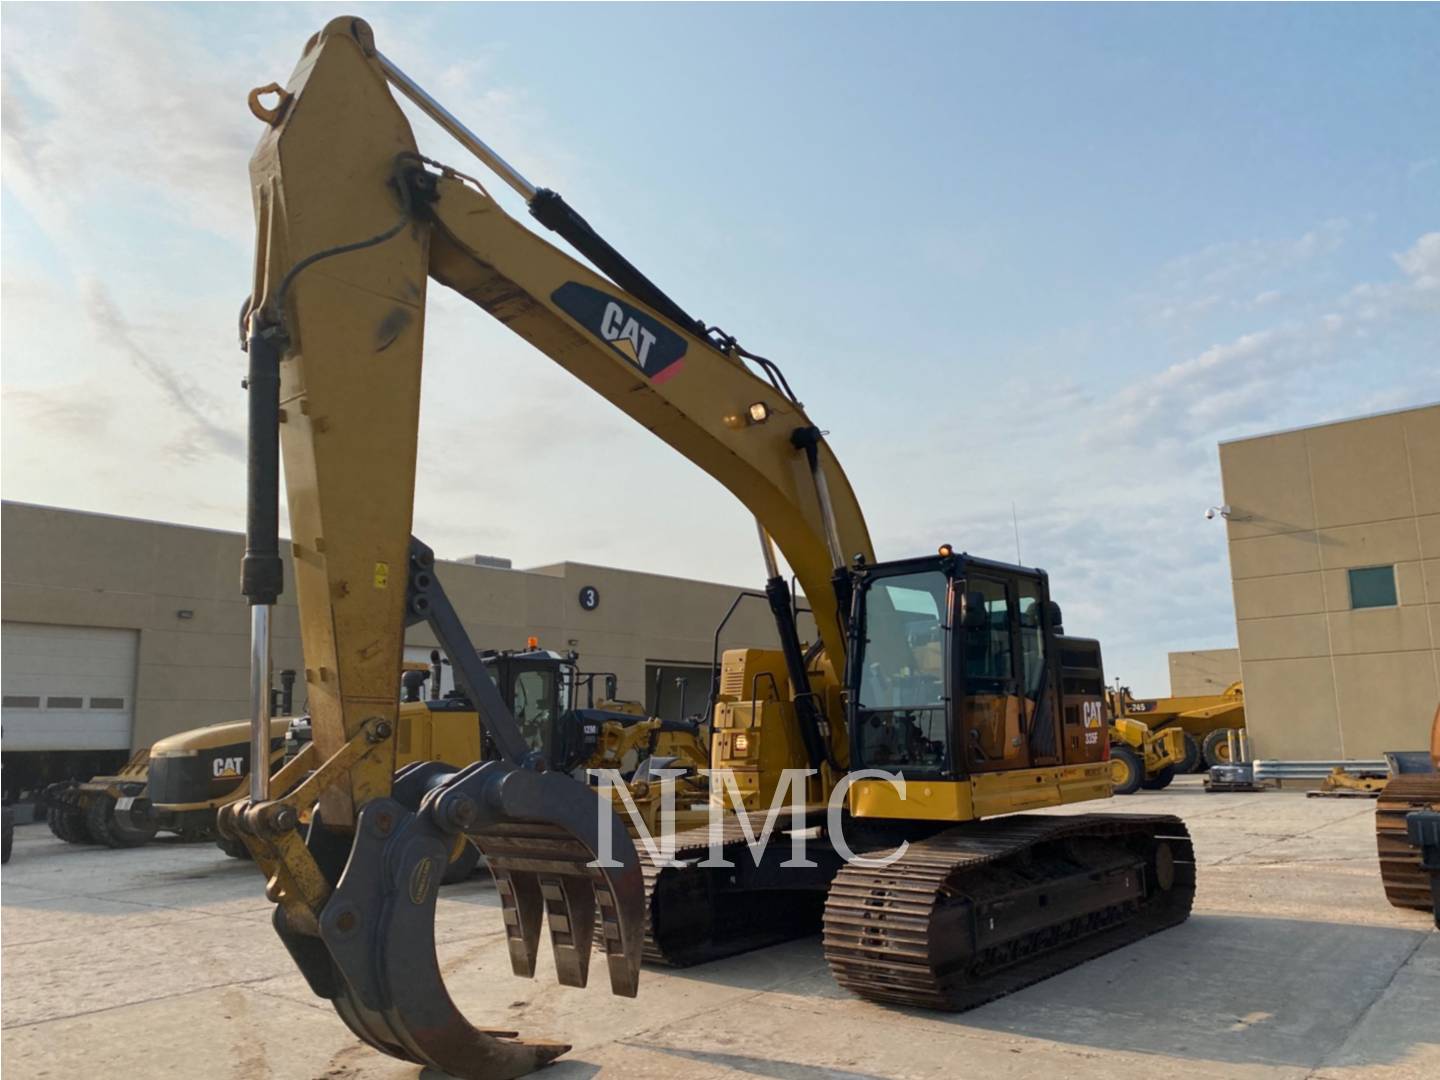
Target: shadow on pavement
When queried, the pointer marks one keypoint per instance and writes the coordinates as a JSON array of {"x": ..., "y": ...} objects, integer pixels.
[{"x": 1225, "y": 988}]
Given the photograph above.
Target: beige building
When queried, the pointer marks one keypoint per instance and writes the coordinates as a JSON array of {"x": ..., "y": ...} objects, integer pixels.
[
  {"x": 118, "y": 631},
  {"x": 1334, "y": 536},
  {"x": 1199, "y": 672}
]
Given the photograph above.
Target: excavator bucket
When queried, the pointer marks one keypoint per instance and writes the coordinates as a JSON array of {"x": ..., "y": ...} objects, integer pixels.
[{"x": 557, "y": 855}]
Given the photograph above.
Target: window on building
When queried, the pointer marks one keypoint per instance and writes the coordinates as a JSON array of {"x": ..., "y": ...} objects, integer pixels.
[
  {"x": 107, "y": 703},
  {"x": 22, "y": 701},
  {"x": 54, "y": 702},
  {"x": 1372, "y": 586}
]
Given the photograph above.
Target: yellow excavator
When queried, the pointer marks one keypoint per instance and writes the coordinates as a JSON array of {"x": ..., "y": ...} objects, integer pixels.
[{"x": 942, "y": 690}]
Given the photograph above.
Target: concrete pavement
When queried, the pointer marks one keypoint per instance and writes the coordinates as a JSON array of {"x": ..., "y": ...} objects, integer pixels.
[{"x": 160, "y": 962}]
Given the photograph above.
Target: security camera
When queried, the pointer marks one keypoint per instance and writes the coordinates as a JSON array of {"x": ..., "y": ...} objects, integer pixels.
[
  {"x": 1210, "y": 514},
  {"x": 1223, "y": 511}
]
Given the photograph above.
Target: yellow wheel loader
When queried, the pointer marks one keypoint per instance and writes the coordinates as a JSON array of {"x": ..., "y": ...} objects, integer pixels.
[
  {"x": 1141, "y": 758},
  {"x": 544, "y": 689},
  {"x": 943, "y": 690}
]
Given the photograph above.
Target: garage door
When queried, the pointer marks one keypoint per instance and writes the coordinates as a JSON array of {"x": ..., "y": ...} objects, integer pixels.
[{"x": 67, "y": 687}]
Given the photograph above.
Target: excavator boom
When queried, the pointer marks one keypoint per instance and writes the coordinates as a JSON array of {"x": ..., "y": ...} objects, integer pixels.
[{"x": 351, "y": 223}]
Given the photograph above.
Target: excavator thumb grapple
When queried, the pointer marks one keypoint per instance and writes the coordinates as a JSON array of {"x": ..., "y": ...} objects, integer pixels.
[
  {"x": 357, "y": 906},
  {"x": 375, "y": 957}
]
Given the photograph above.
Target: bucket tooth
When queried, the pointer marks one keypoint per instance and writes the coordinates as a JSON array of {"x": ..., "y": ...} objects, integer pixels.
[
  {"x": 544, "y": 837},
  {"x": 523, "y": 909},
  {"x": 570, "y": 908}
]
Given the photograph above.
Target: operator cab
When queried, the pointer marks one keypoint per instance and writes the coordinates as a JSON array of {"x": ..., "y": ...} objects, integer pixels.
[
  {"x": 956, "y": 670},
  {"x": 538, "y": 684}
]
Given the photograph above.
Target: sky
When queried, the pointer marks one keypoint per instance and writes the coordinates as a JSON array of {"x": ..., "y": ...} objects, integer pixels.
[{"x": 1023, "y": 264}]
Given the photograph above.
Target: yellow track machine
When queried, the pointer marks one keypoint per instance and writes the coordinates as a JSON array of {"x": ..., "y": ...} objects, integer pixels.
[{"x": 943, "y": 689}]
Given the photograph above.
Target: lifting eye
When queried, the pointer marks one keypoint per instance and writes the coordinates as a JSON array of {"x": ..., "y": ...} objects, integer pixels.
[{"x": 271, "y": 116}]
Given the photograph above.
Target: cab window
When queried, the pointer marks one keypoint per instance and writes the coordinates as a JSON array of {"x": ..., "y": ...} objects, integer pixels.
[
  {"x": 533, "y": 704},
  {"x": 989, "y": 665},
  {"x": 1032, "y": 639},
  {"x": 904, "y": 642},
  {"x": 901, "y": 692}
]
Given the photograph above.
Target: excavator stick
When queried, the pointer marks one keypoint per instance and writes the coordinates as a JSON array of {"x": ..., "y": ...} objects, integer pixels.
[{"x": 334, "y": 329}]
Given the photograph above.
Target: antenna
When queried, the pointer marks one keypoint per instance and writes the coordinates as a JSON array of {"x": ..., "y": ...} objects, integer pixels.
[{"x": 1015, "y": 520}]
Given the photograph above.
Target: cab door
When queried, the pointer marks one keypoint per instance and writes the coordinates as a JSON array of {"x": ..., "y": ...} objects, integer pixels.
[
  {"x": 535, "y": 701},
  {"x": 1040, "y": 711},
  {"x": 991, "y": 706}
]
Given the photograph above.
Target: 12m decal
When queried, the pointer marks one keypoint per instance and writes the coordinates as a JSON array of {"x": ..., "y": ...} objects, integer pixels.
[{"x": 640, "y": 338}]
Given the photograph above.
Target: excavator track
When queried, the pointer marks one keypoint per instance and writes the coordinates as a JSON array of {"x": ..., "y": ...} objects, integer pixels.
[
  {"x": 1407, "y": 883},
  {"x": 695, "y": 914},
  {"x": 980, "y": 910}
]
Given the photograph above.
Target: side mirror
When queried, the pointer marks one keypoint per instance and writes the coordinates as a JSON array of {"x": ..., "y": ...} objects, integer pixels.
[
  {"x": 610, "y": 687},
  {"x": 973, "y": 615},
  {"x": 1057, "y": 622}
]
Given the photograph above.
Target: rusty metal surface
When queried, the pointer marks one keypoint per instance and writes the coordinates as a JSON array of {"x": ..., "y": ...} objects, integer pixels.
[{"x": 1407, "y": 883}]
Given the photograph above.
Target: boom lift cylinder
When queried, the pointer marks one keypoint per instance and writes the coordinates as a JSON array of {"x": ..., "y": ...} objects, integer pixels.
[{"x": 262, "y": 573}]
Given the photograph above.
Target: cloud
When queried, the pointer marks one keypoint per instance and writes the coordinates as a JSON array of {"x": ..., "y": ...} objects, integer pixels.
[
  {"x": 96, "y": 112},
  {"x": 1111, "y": 469},
  {"x": 1421, "y": 263},
  {"x": 1235, "y": 385},
  {"x": 75, "y": 408},
  {"x": 203, "y": 433},
  {"x": 130, "y": 162},
  {"x": 111, "y": 114},
  {"x": 1238, "y": 276},
  {"x": 1228, "y": 260}
]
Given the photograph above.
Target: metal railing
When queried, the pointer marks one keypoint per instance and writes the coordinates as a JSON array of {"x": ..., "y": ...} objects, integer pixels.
[{"x": 1316, "y": 770}]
